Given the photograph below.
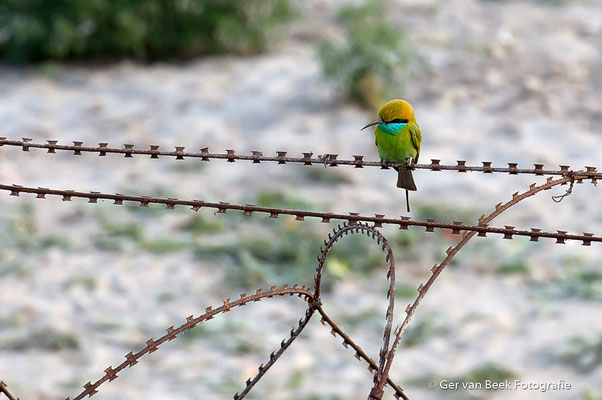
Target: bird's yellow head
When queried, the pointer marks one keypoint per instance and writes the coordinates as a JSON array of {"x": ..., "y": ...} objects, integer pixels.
[{"x": 393, "y": 116}]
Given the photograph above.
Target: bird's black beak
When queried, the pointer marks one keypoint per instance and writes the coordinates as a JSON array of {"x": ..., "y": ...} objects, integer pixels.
[{"x": 377, "y": 121}]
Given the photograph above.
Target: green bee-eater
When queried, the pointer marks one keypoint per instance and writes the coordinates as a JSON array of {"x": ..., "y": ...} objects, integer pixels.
[{"x": 398, "y": 139}]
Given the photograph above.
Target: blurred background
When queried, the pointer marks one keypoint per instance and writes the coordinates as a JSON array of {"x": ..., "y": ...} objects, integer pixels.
[{"x": 82, "y": 284}]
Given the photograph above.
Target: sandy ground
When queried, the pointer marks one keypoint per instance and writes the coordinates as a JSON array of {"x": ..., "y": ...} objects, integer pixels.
[{"x": 511, "y": 82}]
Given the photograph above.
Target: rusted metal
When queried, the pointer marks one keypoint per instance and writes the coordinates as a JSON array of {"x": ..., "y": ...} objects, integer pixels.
[
  {"x": 4, "y": 390},
  {"x": 354, "y": 223},
  {"x": 332, "y": 160},
  {"x": 247, "y": 209},
  {"x": 568, "y": 192},
  {"x": 359, "y": 353},
  {"x": 152, "y": 345},
  {"x": 274, "y": 356},
  {"x": 371, "y": 232},
  {"x": 452, "y": 251}
]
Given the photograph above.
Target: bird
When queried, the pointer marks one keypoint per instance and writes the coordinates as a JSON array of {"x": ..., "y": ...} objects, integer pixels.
[{"x": 398, "y": 139}]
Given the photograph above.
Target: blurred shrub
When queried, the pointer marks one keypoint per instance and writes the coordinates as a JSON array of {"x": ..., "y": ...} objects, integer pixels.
[
  {"x": 376, "y": 59},
  {"x": 488, "y": 372},
  {"x": 48, "y": 339},
  {"x": 36, "y": 30},
  {"x": 584, "y": 353}
]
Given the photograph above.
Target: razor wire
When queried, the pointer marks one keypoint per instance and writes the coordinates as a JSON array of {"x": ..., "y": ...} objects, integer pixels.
[{"x": 353, "y": 223}]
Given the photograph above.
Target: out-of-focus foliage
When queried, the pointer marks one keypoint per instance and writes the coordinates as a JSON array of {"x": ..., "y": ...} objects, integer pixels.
[
  {"x": 584, "y": 353},
  {"x": 376, "y": 59},
  {"x": 545, "y": 2},
  {"x": 37, "y": 30}
]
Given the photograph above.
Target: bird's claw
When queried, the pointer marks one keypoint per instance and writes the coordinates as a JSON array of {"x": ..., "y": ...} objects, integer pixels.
[
  {"x": 384, "y": 164},
  {"x": 408, "y": 163}
]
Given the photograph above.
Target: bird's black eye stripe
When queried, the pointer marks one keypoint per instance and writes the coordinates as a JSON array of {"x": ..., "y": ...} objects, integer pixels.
[{"x": 398, "y": 121}]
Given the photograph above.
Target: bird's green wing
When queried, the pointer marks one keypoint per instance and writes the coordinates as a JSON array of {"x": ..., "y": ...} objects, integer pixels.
[{"x": 416, "y": 138}]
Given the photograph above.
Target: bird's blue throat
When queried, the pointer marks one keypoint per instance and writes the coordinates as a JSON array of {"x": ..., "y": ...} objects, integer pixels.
[{"x": 392, "y": 128}]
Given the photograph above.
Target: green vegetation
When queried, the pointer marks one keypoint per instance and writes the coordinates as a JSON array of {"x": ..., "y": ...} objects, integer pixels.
[
  {"x": 442, "y": 212},
  {"x": 489, "y": 372},
  {"x": 585, "y": 354},
  {"x": 260, "y": 250},
  {"x": 199, "y": 225},
  {"x": 376, "y": 60},
  {"x": 47, "y": 339},
  {"x": 9, "y": 321},
  {"x": 287, "y": 253},
  {"x": 591, "y": 394},
  {"x": 88, "y": 282},
  {"x": 544, "y": 2},
  {"x": 296, "y": 379},
  {"x": 366, "y": 316},
  {"x": 38, "y": 30},
  {"x": 574, "y": 282},
  {"x": 226, "y": 335},
  {"x": 406, "y": 245},
  {"x": 165, "y": 245},
  {"x": 422, "y": 330},
  {"x": 406, "y": 291},
  {"x": 514, "y": 267},
  {"x": 20, "y": 230},
  {"x": 282, "y": 199},
  {"x": 198, "y": 332},
  {"x": 331, "y": 176}
]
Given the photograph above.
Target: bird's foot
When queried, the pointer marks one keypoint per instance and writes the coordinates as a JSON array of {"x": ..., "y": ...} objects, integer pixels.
[
  {"x": 408, "y": 163},
  {"x": 384, "y": 164}
]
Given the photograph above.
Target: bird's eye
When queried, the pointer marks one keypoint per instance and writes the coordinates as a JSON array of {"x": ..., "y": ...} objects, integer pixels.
[{"x": 399, "y": 121}]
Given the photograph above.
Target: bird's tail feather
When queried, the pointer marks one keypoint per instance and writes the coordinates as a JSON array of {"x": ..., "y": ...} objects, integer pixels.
[{"x": 405, "y": 179}]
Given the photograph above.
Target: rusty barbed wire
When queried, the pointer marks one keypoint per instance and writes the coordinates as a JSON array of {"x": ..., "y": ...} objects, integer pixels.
[
  {"x": 313, "y": 302},
  {"x": 380, "y": 378},
  {"x": 353, "y": 224},
  {"x": 281, "y": 157},
  {"x": 452, "y": 251},
  {"x": 4, "y": 390},
  {"x": 378, "y": 220},
  {"x": 274, "y": 356},
  {"x": 360, "y": 354},
  {"x": 422, "y": 289},
  {"x": 152, "y": 345}
]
